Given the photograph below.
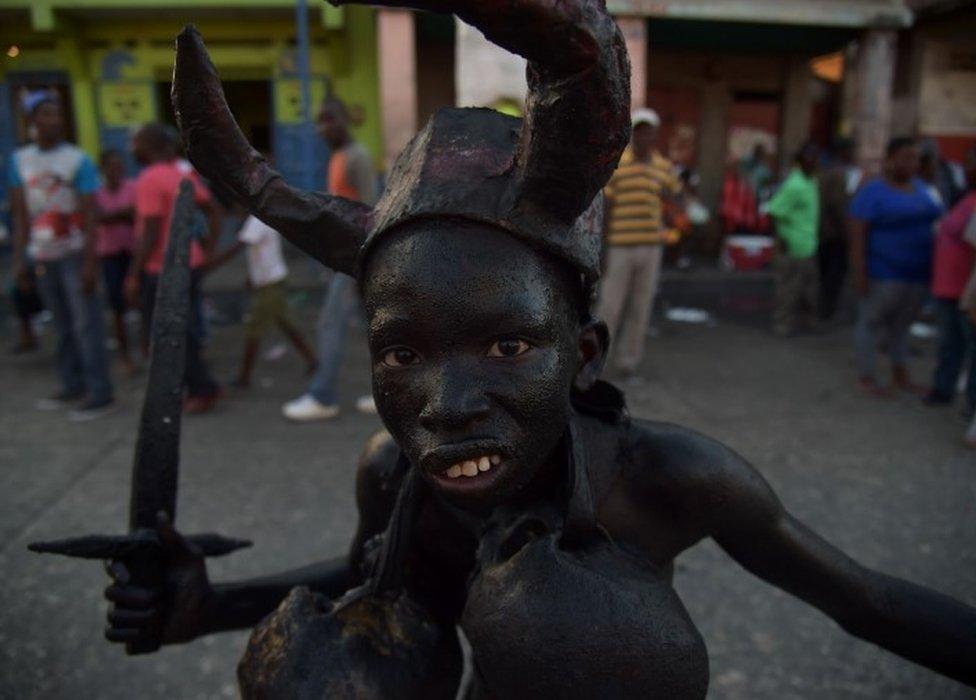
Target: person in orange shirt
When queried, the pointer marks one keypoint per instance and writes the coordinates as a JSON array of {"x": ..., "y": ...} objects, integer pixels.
[{"x": 351, "y": 175}]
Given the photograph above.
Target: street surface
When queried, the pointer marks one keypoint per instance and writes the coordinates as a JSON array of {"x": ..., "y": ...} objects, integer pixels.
[{"x": 889, "y": 482}]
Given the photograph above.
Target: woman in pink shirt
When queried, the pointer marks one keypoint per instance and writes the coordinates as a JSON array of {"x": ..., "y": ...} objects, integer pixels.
[
  {"x": 952, "y": 264},
  {"x": 115, "y": 240}
]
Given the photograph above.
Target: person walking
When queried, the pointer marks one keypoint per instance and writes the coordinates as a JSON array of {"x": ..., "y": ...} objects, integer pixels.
[
  {"x": 891, "y": 261},
  {"x": 156, "y": 146},
  {"x": 795, "y": 210},
  {"x": 953, "y": 264},
  {"x": 115, "y": 240},
  {"x": 351, "y": 175},
  {"x": 51, "y": 187},
  {"x": 635, "y": 234},
  {"x": 267, "y": 277},
  {"x": 837, "y": 184}
]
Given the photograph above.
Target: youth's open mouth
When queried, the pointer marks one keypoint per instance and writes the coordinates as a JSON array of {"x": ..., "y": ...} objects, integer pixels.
[
  {"x": 468, "y": 465},
  {"x": 472, "y": 467}
]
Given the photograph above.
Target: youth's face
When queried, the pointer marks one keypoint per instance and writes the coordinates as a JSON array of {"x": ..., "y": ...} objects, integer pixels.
[
  {"x": 475, "y": 344},
  {"x": 49, "y": 122},
  {"x": 140, "y": 148},
  {"x": 332, "y": 125},
  {"x": 644, "y": 137},
  {"x": 903, "y": 164},
  {"x": 114, "y": 170}
]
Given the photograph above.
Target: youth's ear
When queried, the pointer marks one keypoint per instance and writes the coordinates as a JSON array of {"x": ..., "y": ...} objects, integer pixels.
[{"x": 594, "y": 341}]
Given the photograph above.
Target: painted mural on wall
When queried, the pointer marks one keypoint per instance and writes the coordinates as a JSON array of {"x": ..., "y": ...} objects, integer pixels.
[
  {"x": 123, "y": 104},
  {"x": 128, "y": 104},
  {"x": 299, "y": 164},
  {"x": 288, "y": 99}
]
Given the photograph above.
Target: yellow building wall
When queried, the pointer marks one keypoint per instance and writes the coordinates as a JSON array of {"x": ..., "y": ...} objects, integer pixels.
[{"x": 343, "y": 52}]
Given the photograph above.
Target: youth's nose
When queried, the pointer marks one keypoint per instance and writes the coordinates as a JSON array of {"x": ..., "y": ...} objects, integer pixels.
[{"x": 456, "y": 401}]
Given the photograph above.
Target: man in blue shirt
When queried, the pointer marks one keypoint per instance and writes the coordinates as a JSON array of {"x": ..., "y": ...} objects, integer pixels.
[
  {"x": 891, "y": 258},
  {"x": 51, "y": 187}
]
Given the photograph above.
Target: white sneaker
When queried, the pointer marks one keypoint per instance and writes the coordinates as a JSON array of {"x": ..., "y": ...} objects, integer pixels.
[
  {"x": 365, "y": 404},
  {"x": 306, "y": 408},
  {"x": 971, "y": 434}
]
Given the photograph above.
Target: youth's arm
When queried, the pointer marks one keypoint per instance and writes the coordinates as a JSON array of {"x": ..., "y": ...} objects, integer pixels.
[
  {"x": 362, "y": 175},
  {"x": 858, "y": 230},
  {"x": 89, "y": 270},
  {"x": 780, "y": 205},
  {"x": 18, "y": 210},
  {"x": 190, "y": 606},
  {"x": 968, "y": 300},
  {"x": 221, "y": 257},
  {"x": 212, "y": 211},
  {"x": 919, "y": 624},
  {"x": 123, "y": 215},
  {"x": 145, "y": 244},
  {"x": 243, "y": 604}
]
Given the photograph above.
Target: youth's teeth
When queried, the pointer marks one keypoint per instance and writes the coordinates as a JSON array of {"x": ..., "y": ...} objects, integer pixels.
[
  {"x": 495, "y": 459},
  {"x": 484, "y": 464},
  {"x": 454, "y": 472},
  {"x": 469, "y": 468}
]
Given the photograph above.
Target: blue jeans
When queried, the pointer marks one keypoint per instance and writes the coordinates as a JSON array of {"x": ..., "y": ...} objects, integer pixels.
[
  {"x": 82, "y": 360},
  {"x": 886, "y": 312},
  {"x": 340, "y": 305},
  {"x": 957, "y": 349}
]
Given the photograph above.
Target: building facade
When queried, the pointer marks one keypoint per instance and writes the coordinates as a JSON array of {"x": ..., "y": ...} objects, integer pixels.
[
  {"x": 723, "y": 74},
  {"x": 112, "y": 62}
]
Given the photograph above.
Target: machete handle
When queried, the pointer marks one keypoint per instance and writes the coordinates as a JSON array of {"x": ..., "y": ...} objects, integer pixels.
[{"x": 142, "y": 552}]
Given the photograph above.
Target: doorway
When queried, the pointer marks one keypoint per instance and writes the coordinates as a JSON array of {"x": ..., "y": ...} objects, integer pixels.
[{"x": 249, "y": 101}]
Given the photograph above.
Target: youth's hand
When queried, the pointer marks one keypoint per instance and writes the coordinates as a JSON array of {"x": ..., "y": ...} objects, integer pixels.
[
  {"x": 131, "y": 291},
  {"x": 173, "y": 613},
  {"x": 23, "y": 278},
  {"x": 89, "y": 276}
]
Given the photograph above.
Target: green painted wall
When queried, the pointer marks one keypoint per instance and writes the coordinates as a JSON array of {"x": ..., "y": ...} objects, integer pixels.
[{"x": 256, "y": 45}]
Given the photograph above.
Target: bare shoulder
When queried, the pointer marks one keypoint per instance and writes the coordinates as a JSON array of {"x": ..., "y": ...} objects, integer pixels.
[
  {"x": 691, "y": 472},
  {"x": 378, "y": 474}
]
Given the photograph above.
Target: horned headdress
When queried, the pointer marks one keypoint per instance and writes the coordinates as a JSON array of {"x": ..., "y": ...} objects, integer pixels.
[{"x": 533, "y": 177}]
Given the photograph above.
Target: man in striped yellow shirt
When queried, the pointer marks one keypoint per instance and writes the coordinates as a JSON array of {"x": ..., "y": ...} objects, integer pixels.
[{"x": 636, "y": 232}]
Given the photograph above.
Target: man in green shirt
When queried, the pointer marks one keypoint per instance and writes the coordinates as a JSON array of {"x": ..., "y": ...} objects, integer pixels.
[{"x": 795, "y": 210}]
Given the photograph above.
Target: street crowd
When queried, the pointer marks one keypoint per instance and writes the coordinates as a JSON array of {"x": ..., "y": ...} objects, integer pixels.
[
  {"x": 891, "y": 246},
  {"x": 901, "y": 242}
]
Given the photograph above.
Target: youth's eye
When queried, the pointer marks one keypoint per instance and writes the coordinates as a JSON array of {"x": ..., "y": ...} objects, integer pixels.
[
  {"x": 508, "y": 347},
  {"x": 400, "y": 357}
]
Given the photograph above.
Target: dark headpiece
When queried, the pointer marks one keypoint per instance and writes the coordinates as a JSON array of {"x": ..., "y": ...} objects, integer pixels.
[{"x": 533, "y": 177}]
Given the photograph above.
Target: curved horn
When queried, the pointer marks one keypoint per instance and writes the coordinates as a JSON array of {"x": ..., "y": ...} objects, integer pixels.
[
  {"x": 330, "y": 229},
  {"x": 577, "y": 119}
]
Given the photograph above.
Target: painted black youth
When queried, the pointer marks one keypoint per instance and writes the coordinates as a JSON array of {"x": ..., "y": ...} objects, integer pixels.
[{"x": 477, "y": 267}]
